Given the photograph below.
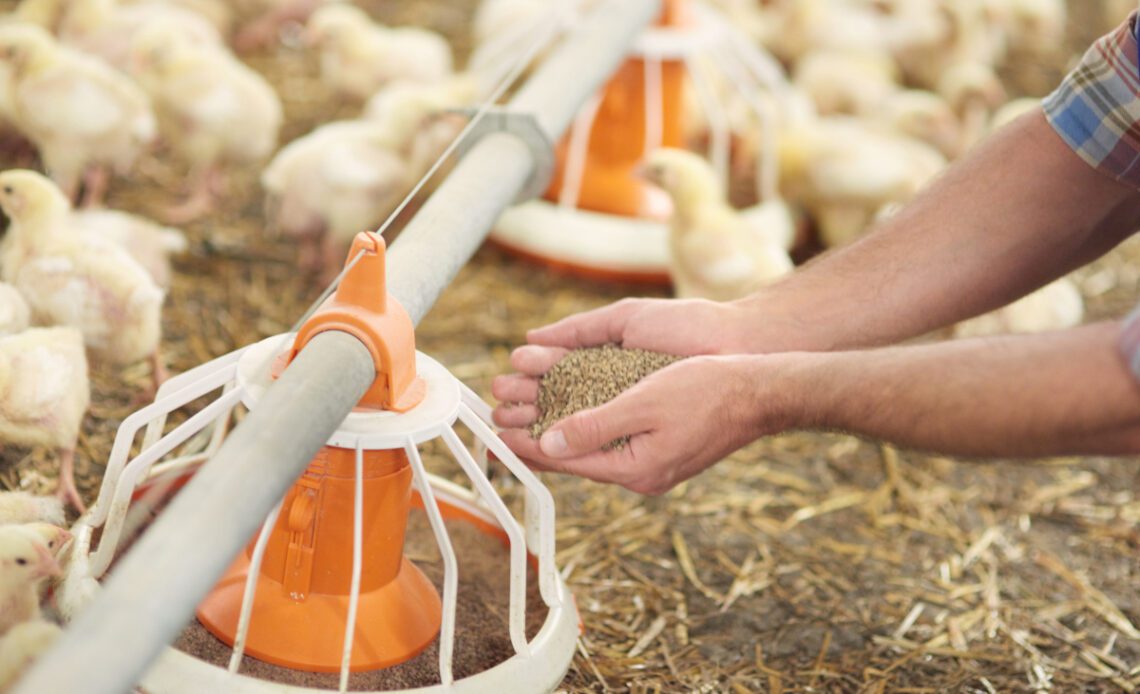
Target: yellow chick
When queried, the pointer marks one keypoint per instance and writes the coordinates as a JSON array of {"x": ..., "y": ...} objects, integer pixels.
[
  {"x": 261, "y": 20},
  {"x": 107, "y": 28},
  {"x": 54, "y": 537},
  {"x": 44, "y": 394},
  {"x": 15, "y": 315},
  {"x": 21, "y": 507},
  {"x": 924, "y": 116},
  {"x": 212, "y": 109},
  {"x": 77, "y": 279},
  {"x": 415, "y": 115},
  {"x": 843, "y": 171},
  {"x": 20, "y": 647},
  {"x": 358, "y": 56},
  {"x": 974, "y": 91},
  {"x": 44, "y": 13},
  {"x": 24, "y": 562},
  {"x": 1037, "y": 27},
  {"x": 82, "y": 114},
  {"x": 928, "y": 36},
  {"x": 150, "y": 244},
  {"x": 1056, "y": 306},
  {"x": 329, "y": 185},
  {"x": 847, "y": 81},
  {"x": 715, "y": 253}
]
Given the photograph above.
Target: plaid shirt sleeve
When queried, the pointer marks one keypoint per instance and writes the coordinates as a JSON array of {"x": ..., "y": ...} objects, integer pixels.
[{"x": 1096, "y": 110}]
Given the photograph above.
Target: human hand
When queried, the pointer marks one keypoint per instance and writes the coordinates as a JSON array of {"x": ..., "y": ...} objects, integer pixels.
[
  {"x": 672, "y": 326},
  {"x": 679, "y": 421}
]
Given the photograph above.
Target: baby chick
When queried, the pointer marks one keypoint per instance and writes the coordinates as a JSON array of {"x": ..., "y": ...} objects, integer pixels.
[
  {"x": 150, "y": 244},
  {"x": 847, "y": 81},
  {"x": 843, "y": 171},
  {"x": 54, "y": 537},
  {"x": 22, "y": 507},
  {"x": 358, "y": 56},
  {"x": 974, "y": 91},
  {"x": 325, "y": 187},
  {"x": 77, "y": 279},
  {"x": 44, "y": 394},
  {"x": 81, "y": 114},
  {"x": 715, "y": 253},
  {"x": 416, "y": 116},
  {"x": 924, "y": 116},
  {"x": 24, "y": 562},
  {"x": 14, "y": 311},
  {"x": 107, "y": 28},
  {"x": 212, "y": 109},
  {"x": 20, "y": 647},
  {"x": 1056, "y": 306}
]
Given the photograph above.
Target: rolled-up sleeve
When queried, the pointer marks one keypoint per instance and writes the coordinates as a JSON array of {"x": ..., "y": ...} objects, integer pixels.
[{"x": 1096, "y": 109}]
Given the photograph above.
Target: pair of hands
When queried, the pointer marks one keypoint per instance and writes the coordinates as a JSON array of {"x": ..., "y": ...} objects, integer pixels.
[{"x": 679, "y": 420}]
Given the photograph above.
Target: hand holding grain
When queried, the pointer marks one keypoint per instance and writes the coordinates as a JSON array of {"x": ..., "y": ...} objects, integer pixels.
[{"x": 678, "y": 421}]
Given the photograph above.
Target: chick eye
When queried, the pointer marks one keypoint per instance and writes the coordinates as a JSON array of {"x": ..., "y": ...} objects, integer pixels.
[
  {"x": 21, "y": 561},
  {"x": 7, "y": 190}
]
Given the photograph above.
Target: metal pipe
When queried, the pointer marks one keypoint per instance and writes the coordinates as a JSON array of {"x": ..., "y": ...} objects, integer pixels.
[{"x": 153, "y": 592}]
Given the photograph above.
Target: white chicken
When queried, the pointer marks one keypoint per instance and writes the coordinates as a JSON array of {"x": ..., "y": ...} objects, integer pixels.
[
  {"x": 212, "y": 109},
  {"x": 1056, "y": 306},
  {"x": 262, "y": 20},
  {"x": 1036, "y": 27},
  {"x": 20, "y": 647},
  {"x": 82, "y": 114},
  {"x": 44, "y": 394},
  {"x": 53, "y": 536},
  {"x": 77, "y": 280},
  {"x": 14, "y": 312},
  {"x": 924, "y": 116},
  {"x": 714, "y": 252},
  {"x": 150, "y": 244},
  {"x": 107, "y": 28},
  {"x": 358, "y": 56},
  {"x": 843, "y": 171},
  {"x": 847, "y": 81},
  {"x": 416, "y": 116},
  {"x": 974, "y": 91},
  {"x": 24, "y": 562},
  {"x": 22, "y": 507},
  {"x": 333, "y": 183}
]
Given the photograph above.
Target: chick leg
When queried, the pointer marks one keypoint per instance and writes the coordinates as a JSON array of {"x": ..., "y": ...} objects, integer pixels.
[
  {"x": 200, "y": 201},
  {"x": 67, "y": 491},
  {"x": 95, "y": 183}
]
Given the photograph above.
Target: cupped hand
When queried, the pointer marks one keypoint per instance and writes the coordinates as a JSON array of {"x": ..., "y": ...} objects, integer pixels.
[
  {"x": 679, "y": 421},
  {"x": 682, "y": 327}
]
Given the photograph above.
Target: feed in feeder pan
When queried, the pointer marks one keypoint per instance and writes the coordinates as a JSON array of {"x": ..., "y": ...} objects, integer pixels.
[
  {"x": 598, "y": 218},
  {"x": 325, "y": 586}
]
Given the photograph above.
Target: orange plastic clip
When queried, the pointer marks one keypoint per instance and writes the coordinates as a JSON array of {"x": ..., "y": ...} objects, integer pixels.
[{"x": 363, "y": 308}]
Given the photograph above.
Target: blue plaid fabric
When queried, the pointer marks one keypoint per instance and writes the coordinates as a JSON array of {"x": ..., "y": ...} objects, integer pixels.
[{"x": 1096, "y": 110}]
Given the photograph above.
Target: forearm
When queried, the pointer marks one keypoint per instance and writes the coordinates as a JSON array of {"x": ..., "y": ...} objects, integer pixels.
[
  {"x": 1019, "y": 211},
  {"x": 1050, "y": 394}
]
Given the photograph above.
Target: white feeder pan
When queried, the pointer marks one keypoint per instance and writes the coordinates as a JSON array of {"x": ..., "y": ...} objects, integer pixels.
[{"x": 539, "y": 664}]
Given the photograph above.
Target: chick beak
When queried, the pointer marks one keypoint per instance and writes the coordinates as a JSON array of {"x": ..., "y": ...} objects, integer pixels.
[{"x": 47, "y": 565}]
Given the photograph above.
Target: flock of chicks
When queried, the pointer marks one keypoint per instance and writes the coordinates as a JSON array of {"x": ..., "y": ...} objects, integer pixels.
[{"x": 885, "y": 93}]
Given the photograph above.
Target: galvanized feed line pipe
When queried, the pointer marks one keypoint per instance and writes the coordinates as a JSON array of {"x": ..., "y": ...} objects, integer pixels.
[{"x": 153, "y": 592}]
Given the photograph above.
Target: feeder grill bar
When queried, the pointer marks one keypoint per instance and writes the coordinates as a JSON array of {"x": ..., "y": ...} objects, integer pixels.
[{"x": 153, "y": 592}]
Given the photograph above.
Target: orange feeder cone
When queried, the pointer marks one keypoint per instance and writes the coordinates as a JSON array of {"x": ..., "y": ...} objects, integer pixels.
[
  {"x": 618, "y": 139},
  {"x": 301, "y": 602}
]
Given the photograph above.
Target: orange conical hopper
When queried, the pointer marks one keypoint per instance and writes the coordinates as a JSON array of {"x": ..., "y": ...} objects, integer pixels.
[{"x": 302, "y": 594}]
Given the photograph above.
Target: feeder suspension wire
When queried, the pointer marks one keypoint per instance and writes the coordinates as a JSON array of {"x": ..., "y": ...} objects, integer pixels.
[{"x": 158, "y": 584}]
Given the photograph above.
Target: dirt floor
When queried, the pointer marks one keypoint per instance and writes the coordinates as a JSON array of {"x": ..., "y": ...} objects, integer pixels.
[{"x": 804, "y": 562}]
